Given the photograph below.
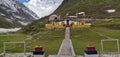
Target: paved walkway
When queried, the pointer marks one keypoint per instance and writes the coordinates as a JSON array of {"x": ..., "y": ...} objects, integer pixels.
[{"x": 66, "y": 48}]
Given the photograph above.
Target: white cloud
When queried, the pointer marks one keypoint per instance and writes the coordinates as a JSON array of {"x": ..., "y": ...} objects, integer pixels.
[{"x": 43, "y": 7}]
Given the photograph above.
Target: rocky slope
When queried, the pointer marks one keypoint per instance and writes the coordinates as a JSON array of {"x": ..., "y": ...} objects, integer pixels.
[{"x": 14, "y": 14}]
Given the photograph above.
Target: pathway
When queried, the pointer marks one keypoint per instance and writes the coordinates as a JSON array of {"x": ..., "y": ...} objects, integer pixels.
[{"x": 66, "y": 49}]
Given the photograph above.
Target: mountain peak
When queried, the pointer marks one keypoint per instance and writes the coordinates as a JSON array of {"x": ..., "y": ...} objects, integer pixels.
[
  {"x": 16, "y": 11},
  {"x": 43, "y": 7}
]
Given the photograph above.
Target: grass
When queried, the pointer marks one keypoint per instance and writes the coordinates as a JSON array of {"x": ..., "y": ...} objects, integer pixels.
[
  {"x": 52, "y": 39},
  {"x": 108, "y": 32},
  {"x": 105, "y": 23},
  {"x": 10, "y": 38},
  {"x": 86, "y": 38}
]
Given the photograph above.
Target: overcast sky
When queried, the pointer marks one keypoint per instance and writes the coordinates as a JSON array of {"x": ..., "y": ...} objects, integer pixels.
[{"x": 43, "y": 7}]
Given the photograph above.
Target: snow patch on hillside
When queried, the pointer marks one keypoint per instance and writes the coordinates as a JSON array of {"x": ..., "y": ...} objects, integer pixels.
[
  {"x": 24, "y": 23},
  {"x": 4, "y": 30}
]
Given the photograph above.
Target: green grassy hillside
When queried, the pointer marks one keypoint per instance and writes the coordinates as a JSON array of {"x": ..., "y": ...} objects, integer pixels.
[
  {"x": 35, "y": 26},
  {"x": 93, "y": 8}
]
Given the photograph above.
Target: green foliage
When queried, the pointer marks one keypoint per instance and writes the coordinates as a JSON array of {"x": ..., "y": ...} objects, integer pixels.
[{"x": 35, "y": 26}]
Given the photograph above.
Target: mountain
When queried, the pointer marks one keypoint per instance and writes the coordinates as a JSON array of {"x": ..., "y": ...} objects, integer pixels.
[
  {"x": 15, "y": 14},
  {"x": 92, "y": 9},
  {"x": 43, "y": 7}
]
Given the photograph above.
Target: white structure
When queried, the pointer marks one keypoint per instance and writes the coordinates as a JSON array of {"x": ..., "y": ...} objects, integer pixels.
[
  {"x": 91, "y": 55},
  {"x": 81, "y": 13},
  {"x": 38, "y": 55},
  {"x": 53, "y": 17},
  {"x": 72, "y": 16},
  {"x": 111, "y": 10}
]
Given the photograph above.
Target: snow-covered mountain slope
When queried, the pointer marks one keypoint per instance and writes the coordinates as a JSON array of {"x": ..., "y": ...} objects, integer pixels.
[
  {"x": 43, "y": 7},
  {"x": 15, "y": 12}
]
